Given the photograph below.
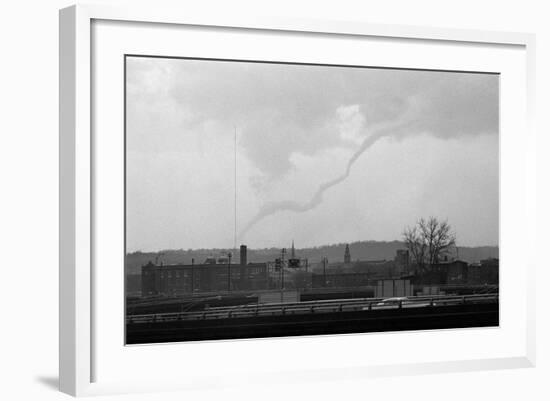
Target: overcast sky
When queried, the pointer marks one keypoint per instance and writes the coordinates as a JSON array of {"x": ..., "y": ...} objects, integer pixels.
[{"x": 323, "y": 154}]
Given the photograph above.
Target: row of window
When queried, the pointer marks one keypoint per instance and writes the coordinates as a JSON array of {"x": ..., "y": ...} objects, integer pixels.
[{"x": 187, "y": 274}]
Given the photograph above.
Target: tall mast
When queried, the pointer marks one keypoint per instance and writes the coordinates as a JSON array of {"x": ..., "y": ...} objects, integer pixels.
[{"x": 235, "y": 185}]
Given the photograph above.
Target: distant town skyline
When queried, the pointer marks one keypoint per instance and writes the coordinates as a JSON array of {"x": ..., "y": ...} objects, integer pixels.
[
  {"x": 288, "y": 246},
  {"x": 323, "y": 155}
]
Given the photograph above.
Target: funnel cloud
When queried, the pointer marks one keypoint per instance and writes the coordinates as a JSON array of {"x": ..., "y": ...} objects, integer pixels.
[{"x": 274, "y": 207}]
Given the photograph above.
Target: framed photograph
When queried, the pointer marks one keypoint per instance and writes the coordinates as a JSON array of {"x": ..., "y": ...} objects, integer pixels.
[{"x": 269, "y": 189}]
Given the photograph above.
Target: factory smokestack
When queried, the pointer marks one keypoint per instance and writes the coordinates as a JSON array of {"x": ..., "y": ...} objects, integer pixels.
[{"x": 243, "y": 255}]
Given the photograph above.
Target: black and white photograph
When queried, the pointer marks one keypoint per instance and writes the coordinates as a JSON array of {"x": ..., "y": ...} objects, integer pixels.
[
  {"x": 276, "y": 200},
  {"x": 270, "y": 199}
]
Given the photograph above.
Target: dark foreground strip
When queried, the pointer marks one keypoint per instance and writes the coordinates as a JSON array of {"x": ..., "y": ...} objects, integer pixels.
[{"x": 428, "y": 318}]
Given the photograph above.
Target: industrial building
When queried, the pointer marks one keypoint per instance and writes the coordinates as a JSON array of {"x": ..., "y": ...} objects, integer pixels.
[
  {"x": 214, "y": 275},
  {"x": 221, "y": 274},
  {"x": 460, "y": 272},
  {"x": 484, "y": 272}
]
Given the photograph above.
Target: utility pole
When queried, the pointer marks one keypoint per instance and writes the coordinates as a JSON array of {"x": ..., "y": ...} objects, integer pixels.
[
  {"x": 309, "y": 283},
  {"x": 324, "y": 272},
  {"x": 283, "y": 251},
  {"x": 229, "y": 271},
  {"x": 192, "y": 275}
]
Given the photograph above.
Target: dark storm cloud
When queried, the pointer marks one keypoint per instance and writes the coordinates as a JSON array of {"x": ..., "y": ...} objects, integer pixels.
[{"x": 281, "y": 109}]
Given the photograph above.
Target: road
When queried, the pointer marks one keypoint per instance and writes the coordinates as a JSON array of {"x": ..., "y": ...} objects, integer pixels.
[{"x": 303, "y": 318}]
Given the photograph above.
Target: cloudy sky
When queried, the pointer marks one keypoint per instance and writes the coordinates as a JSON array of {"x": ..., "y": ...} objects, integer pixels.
[{"x": 323, "y": 154}]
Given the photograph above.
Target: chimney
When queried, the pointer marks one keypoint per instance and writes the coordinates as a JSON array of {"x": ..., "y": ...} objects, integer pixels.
[{"x": 243, "y": 255}]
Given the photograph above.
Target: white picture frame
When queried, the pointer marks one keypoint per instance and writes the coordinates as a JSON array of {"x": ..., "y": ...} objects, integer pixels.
[{"x": 77, "y": 368}]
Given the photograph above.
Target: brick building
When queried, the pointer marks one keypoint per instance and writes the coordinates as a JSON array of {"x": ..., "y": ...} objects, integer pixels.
[{"x": 214, "y": 275}]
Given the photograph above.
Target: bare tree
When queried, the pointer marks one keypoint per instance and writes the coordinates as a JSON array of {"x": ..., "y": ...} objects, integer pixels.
[
  {"x": 416, "y": 246},
  {"x": 428, "y": 241}
]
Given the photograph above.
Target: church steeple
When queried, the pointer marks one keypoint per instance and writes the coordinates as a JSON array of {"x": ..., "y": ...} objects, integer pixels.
[
  {"x": 292, "y": 252},
  {"x": 347, "y": 256}
]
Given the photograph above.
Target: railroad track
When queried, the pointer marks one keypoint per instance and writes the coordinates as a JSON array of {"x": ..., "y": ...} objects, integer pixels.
[{"x": 312, "y": 307}]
